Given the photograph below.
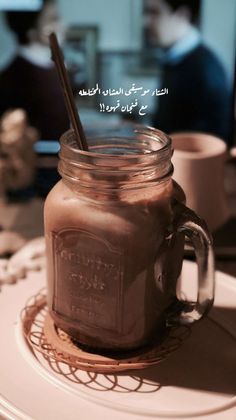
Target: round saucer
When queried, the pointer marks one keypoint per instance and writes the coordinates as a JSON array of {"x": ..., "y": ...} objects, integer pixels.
[
  {"x": 196, "y": 381},
  {"x": 43, "y": 336}
]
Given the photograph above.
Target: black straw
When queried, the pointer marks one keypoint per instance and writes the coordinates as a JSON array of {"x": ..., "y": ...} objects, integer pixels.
[{"x": 68, "y": 94}]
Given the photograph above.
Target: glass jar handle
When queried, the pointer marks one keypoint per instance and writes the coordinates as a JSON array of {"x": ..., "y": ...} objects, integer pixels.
[{"x": 189, "y": 224}]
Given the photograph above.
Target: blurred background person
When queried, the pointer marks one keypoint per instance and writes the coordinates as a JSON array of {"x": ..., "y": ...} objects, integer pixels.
[
  {"x": 199, "y": 97},
  {"x": 30, "y": 81}
]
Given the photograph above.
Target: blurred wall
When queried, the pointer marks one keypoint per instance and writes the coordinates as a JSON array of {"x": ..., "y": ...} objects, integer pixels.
[
  {"x": 218, "y": 24},
  {"x": 7, "y": 44},
  {"x": 120, "y": 21}
]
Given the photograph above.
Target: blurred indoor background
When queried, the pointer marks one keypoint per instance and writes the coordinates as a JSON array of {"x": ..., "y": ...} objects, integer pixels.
[{"x": 105, "y": 44}]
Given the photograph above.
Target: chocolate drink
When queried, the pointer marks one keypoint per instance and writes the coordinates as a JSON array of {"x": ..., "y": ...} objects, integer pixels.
[
  {"x": 112, "y": 265},
  {"x": 107, "y": 256},
  {"x": 108, "y": 283}
]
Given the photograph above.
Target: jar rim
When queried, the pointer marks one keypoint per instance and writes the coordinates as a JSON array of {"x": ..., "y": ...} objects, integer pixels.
[
  {"x": 150, "y": 166},
  {"x": 158, "y": 137}
]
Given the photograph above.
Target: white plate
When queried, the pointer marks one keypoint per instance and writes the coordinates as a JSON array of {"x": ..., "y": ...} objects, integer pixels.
[{"x": 198, "y": 380}]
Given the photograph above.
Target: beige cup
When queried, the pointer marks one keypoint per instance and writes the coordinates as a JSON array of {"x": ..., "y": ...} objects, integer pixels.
[{"x": 198, "y": 161}]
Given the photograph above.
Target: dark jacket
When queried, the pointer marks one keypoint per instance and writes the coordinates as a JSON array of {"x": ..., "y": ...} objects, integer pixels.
[
  {"x": 199, "y": 98},
  {"x": 35, "y": 89}
]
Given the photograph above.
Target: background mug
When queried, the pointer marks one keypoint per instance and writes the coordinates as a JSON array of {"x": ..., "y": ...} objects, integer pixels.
[{"x": 198, "y": 161}]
